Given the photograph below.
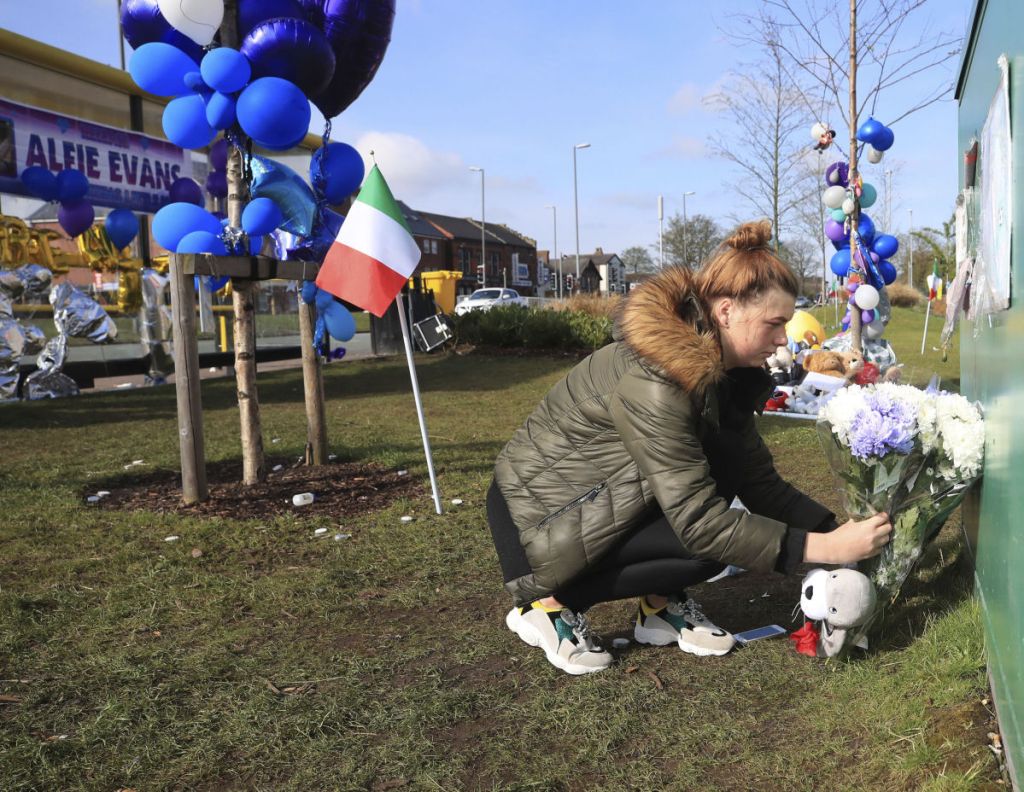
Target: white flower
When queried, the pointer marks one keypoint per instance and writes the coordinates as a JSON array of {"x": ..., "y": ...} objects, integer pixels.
[{"x": 962, "y": 436}]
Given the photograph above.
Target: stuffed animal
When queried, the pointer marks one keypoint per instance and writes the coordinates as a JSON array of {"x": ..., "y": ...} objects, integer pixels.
[
  {"x": 841, "y": 599},
  {"x": 776, "y": 402},
  {"x": 780, "y": 365},
  {"x": 836, "y": 364}
]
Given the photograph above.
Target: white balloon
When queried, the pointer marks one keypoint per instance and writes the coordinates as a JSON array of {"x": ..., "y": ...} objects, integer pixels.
[
  {"x": 873, "y": 330},
  {"x": 874, "y": 155},
  {"x": 197, "y": 19},
  {"x": 848, "y": 206},
  {"x": 818, "y": 130},
  {"x": 866, "y": 297},
  {"x": 833, "y": 197}
]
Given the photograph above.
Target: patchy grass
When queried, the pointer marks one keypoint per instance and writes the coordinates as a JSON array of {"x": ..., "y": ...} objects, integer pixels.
[{"x": 251, "y": 654}]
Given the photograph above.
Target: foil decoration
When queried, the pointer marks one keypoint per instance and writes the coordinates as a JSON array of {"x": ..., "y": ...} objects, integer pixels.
[
  {"x": 36, "y": 280},
  {"x": 76, "y": 314},
  {"x": 155, "y": 326},
  {"x": 10, "y": 284},
  {"x": 48, "y": 381},
  {"x": 12, "y": 347}
]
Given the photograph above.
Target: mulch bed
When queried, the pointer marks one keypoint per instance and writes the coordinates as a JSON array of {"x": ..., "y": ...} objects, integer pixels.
[{"x": 341, "y": 489}]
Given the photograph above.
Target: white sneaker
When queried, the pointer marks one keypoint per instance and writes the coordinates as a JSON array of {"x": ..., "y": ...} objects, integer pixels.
[
  {"x": 563, "y": 635},
  {"x": 683, "y": 623}
]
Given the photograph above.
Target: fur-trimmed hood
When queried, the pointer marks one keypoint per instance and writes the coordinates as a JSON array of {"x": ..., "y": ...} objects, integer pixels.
[{"x": 663, "y": 322}]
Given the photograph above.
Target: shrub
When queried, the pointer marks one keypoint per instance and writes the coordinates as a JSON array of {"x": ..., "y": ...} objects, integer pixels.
[
  {"x": 514, "y": 326},
  {"x": 902, "y": 295},
  {"x": 502, "y": 326},
  {"x": 547, "y": 330},
  {"x": 590, "y": 332}
]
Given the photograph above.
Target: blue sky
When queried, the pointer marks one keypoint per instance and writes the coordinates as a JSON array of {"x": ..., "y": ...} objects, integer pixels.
[{"x": 512, "y": 86}]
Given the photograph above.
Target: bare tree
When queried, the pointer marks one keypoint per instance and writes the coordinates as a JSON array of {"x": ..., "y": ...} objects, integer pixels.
[
  {"x": 765, "y": 125},
  {"x": 803, "y": 258},
  {"x": 692, "y": 242},
  {"x": 637, "y": 259},
  {"x": 812, "y": 37}
]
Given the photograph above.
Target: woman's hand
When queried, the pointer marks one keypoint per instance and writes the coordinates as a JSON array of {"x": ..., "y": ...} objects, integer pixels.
[{"x": 854, "y": 540}]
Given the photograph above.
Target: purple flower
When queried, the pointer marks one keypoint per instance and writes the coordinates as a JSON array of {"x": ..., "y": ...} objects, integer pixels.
[{"x": 886, "y": 425}]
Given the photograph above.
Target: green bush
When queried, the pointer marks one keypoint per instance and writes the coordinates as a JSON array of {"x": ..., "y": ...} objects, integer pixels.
[
  {"x": 589, "y": 331},
  {"x": 502, "y": 326},
  {"x": 514, "y": 326},
  {"x": 547, "y": 330}
]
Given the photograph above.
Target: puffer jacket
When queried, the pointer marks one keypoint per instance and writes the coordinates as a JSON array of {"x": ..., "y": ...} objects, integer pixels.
[{"x": 622, "y": 435}]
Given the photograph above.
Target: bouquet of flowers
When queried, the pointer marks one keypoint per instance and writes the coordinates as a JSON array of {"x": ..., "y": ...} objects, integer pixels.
[{"x": 911, "y": 453}]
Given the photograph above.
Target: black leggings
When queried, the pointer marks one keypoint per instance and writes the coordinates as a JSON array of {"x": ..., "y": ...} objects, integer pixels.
[{"x": 651, "y": 560}]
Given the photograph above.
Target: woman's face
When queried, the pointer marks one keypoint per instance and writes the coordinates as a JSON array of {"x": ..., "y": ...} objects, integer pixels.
[{"x": 750, "y": 331}]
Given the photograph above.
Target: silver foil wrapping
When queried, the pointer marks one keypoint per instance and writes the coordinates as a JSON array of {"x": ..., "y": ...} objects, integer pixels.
[
  {"x": 76, "y": 314},
  {"x": 155, "y": 325}
]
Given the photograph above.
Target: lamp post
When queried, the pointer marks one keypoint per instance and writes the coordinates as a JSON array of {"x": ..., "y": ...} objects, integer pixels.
[
  {"x": 483, "y": 230},
  {"x": 686, "y": 255},
  {"x": 554, "y": 250},
  {"x": 661, "y": 243},
  {"x": 576, "y": 205},
  {"x": 910, "y": 266}
]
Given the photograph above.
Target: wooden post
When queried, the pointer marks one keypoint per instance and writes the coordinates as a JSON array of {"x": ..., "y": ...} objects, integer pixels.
[
  {"x": 253, "y": 466},
  {"x": 855, "y": 321},
  {"x": 313, "y": 384},
  {"x": 186, "y": 385}
]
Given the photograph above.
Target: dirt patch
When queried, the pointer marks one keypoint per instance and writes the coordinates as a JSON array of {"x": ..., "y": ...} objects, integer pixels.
[{"x": 340, "y": 489}]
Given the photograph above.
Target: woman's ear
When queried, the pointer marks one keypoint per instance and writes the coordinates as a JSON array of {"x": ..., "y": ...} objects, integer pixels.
[{"x": 722, "y": 311}]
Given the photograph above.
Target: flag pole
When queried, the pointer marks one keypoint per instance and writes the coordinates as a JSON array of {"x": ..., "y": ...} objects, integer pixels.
[{"x": 419, "y": 404}]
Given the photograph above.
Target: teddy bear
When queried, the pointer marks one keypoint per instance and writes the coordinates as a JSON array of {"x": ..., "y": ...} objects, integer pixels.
[
  {"x": 780, "y": 365},
  {"x": 844, "y": 365},
  {"x": 841, "y": 599}
]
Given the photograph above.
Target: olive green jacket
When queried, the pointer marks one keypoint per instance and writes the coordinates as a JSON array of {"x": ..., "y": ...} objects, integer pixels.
[{"x": 621, "y": 435}]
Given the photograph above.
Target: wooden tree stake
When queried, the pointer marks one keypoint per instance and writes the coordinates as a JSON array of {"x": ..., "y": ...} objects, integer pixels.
[{"x": 313, "y": 383}]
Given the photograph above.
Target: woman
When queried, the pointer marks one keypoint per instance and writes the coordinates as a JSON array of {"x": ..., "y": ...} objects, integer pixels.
[{"x": 619, "y": 483}]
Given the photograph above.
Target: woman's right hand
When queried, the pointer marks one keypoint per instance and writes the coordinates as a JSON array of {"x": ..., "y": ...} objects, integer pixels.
[{"x": 852, "y": 541}]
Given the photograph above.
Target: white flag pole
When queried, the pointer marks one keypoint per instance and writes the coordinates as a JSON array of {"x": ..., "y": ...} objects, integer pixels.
[
  {"x": 924, "y": 335},
  {"x": 419, "y": 405}
]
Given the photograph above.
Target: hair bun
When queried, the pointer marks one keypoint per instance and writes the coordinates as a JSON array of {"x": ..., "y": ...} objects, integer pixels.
[{"x": 750, "y": 236}]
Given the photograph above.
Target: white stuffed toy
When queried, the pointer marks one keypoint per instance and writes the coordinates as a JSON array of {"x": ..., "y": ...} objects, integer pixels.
[{"x": 841, "y": 599}]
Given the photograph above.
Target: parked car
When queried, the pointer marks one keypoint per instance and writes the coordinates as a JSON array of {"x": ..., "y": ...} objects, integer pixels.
[
  {"x": 485, "y": 299},
  {"x": 803, "y": 302}
]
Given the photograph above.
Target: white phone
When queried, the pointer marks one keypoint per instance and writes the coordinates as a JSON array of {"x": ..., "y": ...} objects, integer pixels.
[{"x": 758, "y": 633}]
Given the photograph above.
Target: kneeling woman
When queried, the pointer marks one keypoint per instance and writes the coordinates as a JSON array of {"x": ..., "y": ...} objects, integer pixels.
[{"x": 619, "y": 483}]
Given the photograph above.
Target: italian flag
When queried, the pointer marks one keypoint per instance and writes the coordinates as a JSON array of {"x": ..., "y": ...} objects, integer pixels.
[{"x": 374, "y": 254}]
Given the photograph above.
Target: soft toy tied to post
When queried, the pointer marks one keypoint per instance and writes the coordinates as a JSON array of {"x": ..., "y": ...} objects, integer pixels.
[{"x": 841, "y": 599}]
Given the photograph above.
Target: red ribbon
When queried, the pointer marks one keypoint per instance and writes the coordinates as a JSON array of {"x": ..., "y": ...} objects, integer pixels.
[{"x": 806, "y": 639}]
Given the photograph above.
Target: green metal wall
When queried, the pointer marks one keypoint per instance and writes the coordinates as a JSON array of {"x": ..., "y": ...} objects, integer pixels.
[{"x": 992, "y": 371}]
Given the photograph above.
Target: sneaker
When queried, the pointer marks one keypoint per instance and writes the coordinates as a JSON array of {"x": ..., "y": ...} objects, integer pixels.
[
  {"x": 563, "y": 635},
  {"x": 683, "y": 623}
]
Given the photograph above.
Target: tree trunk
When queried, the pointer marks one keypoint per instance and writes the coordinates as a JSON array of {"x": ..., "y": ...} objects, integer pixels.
[
  {"x": 855, "y": 323},
  {"x": 313, "y": 383}
]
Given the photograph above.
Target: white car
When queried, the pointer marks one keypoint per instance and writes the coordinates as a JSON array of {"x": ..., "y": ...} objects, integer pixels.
[{"x": 485, "y": 299}]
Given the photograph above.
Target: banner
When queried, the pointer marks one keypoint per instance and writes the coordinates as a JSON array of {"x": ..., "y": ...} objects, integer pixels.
[{"x": 126, "y": 170}]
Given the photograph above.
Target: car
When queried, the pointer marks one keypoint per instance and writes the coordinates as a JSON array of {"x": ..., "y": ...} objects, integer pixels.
[
  {"x": 803, "y": 302},
  {"x": 485, "y": 299}
]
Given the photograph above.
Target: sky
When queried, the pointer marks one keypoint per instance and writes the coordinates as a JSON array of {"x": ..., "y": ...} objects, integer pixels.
[{"x": 512, "y": 86}]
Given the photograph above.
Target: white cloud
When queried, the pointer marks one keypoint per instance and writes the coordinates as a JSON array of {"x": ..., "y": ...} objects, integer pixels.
[
  {"x": 411, "y": 167},
  {"x": 685, "y": 99},
  {"x": 682, "y": 147}
]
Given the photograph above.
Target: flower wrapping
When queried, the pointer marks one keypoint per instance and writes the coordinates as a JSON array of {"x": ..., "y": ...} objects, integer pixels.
[{"x": 909, "y": 452}]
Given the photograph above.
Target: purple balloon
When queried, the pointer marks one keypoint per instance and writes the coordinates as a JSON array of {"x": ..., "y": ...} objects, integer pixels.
[
  {"x": 187, "y": 191},
  {"x": 834, "y": 230},
  {"x": 219, "y": 155},
  {"x": 313, "y": 11},
  {"x": 867, "y": 317},
  {"x": 292, "y": 49},
  {"x": 142, "y": 23},
  {"x": 838, "y": 173},
  {"x": 253, "y": 12},
  {"x": 359, "y": 33},
  {"x": 217, "y": 183},
  {"x": 76, "y": 217}
]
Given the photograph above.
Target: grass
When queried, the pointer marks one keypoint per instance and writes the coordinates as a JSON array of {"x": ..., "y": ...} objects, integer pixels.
[{"x": 272, "y": 659}]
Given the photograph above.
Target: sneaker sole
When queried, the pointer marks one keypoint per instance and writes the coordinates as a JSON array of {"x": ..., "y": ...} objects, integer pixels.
[
  {"x": 703, "y": 651},
  {"x": 529, "y": 635},
  {"x": 646, "y": 635}
]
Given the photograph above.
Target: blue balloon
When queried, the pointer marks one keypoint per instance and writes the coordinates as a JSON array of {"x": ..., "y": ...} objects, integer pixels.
[
  {"x": 122, "y": 227},
  {"x": 340, "y": 323},
  {"x": 887, "y": 271},
  {"x": 286, "y": 188},
  {"x": 220, "y": 110},
  {"x": 161, "y": 69},
  {"x": 40, "y": 182},
  {"x": 336, "y": 171},
  {"x": 308, "y": 292},
  {"x": 842, "y": 244},
  {"x": 71, "y": 185},
  {"x": 869, "y": 130},
  {"x": 324, "y": 299},
  {"x": 865, "y": 229},
  {"x": 194, "y": 82},
  {"x": 885, "y": 245},
  {"x": 261, "y": 216},
  {"x": 292, "y": 49},
  {"x": 185, "y": 123},
  {"x": 201, "y": 242},
  {"x": 215, "y": 284},
  {"x": 142, "y": 23},
  {"x": 274, "y": 113},
  {"x": 884, "y": 139},
  {"x": 226, "y": 70},
  {"x": 172, "y": 223},
  {"x": 840, "y": 262},
  {"x": 253, "y": 12}
]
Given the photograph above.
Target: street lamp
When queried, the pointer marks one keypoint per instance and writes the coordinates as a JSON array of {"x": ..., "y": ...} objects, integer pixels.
[
  {"x": 554, "y": 250},
  {"x": 686, "y": 256},
  {"x": 483, "y": 231},
  {"x": 576, "y": 204},
  {"x": 661, "y": 243}
]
